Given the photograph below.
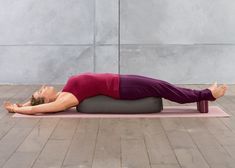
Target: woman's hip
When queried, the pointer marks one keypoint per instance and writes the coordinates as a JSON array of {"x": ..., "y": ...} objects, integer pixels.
[{"x": 136, "y": 86}]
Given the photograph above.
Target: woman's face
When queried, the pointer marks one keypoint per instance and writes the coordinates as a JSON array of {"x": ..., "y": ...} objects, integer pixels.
[{"x": 48, "y": 92}]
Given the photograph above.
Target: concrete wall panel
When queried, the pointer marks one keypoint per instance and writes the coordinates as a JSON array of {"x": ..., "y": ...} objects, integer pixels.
[
  {"x": 180, "y": 63},
  {"x": 43, "y": 64}
]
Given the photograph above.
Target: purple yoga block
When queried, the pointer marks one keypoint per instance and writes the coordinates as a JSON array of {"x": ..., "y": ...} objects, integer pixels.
[{"x": 202, "y": 106}]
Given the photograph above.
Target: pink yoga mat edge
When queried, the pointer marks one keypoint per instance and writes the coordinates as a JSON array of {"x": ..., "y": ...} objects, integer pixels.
[{"x": 168, "y": 111}]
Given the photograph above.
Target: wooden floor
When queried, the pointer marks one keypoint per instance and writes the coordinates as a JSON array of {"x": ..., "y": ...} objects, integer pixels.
[{"x": 116, "y": 143}]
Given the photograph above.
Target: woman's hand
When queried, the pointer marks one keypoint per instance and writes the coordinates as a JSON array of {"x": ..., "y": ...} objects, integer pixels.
[{"x": 11, "y": 107}]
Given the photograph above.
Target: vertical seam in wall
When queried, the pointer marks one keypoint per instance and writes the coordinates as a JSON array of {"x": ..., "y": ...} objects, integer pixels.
[
  {"x": 94, "y": 38},
  {"x": 119, "y": 31}
]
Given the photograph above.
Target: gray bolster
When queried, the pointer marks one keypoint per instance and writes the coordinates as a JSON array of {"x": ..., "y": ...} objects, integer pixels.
[{"x": 108, "y": 105}]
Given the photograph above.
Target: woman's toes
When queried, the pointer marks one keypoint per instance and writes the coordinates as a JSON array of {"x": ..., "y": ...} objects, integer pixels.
[{"x": 224, "y": 87}]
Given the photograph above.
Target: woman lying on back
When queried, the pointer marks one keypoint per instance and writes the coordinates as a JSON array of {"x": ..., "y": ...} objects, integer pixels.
[{"x": 118, "y": 86}]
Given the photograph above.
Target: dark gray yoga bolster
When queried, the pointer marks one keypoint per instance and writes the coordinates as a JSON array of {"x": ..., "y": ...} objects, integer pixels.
[{"x": 107, "y": 105}]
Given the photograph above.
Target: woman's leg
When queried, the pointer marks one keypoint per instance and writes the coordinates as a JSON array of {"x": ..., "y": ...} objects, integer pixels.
[{"x": 136, "y": 87}]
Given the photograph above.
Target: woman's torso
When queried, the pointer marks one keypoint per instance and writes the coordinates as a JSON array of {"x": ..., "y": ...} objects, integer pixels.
[{"x": 89, "y": 84}]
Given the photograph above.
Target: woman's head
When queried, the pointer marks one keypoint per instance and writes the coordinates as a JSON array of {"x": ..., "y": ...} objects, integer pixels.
[{"x": 45, "y": 94}]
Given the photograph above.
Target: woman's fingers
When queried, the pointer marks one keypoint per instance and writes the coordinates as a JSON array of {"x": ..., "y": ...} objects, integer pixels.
[
  {"x": 13, "y": 107},
  {"x": 9, "y": 106},
  {"x": 5, "y": 104}
]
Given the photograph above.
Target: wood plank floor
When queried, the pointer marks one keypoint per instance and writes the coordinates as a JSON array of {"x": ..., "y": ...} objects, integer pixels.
[{"x": 116, "y": 143}]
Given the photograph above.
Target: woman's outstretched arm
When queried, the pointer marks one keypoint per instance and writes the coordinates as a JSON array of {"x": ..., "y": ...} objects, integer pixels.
[
  {"x": 55, "y": 106},
  {"x": 64, "y": 102}
]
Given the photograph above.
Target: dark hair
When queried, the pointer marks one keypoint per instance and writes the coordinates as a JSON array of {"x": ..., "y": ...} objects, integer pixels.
[{"x": 36, "y": 101}]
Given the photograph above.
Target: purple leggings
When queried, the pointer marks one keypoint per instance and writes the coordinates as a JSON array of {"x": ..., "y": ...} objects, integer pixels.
[{"x": 136, "y": 87}]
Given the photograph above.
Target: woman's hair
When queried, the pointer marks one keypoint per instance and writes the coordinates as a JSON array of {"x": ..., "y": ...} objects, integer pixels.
[{"x": 36, "y": 101}]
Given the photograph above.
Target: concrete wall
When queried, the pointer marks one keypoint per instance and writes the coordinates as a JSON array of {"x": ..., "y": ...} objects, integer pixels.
[{"x": 182, "y": 41}]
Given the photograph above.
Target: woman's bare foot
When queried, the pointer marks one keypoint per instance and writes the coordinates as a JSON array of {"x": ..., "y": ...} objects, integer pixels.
[{"x": 218, "y": 91}]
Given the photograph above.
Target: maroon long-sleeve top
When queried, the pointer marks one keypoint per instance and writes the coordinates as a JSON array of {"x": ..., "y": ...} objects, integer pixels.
[{"x": 90, "y": 84}]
